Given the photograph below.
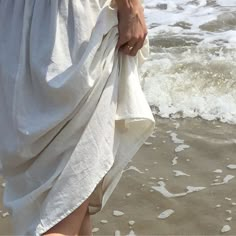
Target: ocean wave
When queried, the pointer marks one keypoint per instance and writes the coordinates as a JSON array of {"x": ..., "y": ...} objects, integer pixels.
[{"x": 191, "y": 70}]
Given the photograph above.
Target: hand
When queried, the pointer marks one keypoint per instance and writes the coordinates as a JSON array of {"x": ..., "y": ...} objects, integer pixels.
[{"x": 131, "y": 25}]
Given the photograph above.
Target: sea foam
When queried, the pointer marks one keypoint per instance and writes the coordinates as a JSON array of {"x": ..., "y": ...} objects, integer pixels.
[{"x": 192, "y": 66}]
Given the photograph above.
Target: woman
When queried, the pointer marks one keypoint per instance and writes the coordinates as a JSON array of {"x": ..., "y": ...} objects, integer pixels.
[{"x": 71, "y": 108}]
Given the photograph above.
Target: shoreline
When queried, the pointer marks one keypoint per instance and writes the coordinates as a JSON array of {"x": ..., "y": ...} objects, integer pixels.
[{"x": 153, "y": 192}]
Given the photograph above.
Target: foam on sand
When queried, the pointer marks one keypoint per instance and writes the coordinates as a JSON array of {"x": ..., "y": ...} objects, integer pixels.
[
  {"x": 174, "y": 161},
  {"x": 175, "y": 139},
  {"x": 118, "y": 213},
  {"x": 229, "y": 218},
  {"x": 226, "y": 228},
  {"x": 134, "y": 168},
  {"x": 117, "y": 233},
  {"x": 231, "y": 166},
  {"x": 104, "y": 221},
  {"x": 94, "y": 230},
  {"x": 225, "y": 180},
  {"x": 131, "y": 233},
  {"x": 147, "y": 143},
  {"x": 228, "y": 211},
  {"x": 131, "y": 222},
  {"x": 162, "y": 189},
  {"x": 5, "y": 214},
  {"x": 181, "y": 147},
  {"x": 180, "y": 173},
  {"x": 165, "y": 214},
  {"x": 228, "y": 198}
]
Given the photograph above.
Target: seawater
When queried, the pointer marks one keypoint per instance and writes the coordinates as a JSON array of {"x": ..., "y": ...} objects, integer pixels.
[{"x": 191, "y": 70}]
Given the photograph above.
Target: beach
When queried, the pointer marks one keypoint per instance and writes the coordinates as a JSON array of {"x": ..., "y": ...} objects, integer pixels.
[
  {"x": 182, "y": 180},
  {"x": 153, "y": 197}
]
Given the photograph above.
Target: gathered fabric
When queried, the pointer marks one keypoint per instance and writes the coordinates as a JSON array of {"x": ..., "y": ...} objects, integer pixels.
[{"x": 72, "y": 111}]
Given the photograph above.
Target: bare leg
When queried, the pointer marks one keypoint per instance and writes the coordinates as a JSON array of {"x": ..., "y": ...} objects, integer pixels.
[
  {"x": 86, "y": 227},
  {"x": 71, "y": 224}
]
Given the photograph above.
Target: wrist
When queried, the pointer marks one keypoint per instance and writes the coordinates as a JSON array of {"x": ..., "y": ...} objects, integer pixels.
[{"x": 128, "y": 6}]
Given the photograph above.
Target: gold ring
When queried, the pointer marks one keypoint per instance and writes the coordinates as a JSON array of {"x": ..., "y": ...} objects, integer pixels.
[{"x": 130, "y": 47}]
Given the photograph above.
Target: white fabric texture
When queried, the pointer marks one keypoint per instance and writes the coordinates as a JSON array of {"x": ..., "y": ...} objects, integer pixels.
[{"x": 72, "y": 111}]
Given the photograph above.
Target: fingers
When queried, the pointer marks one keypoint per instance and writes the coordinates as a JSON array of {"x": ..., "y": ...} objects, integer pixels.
[
  {"x": 132, "y": 32},
  {"x": 128, "y": 46},
  {"x": 131, "y": 47},
  {"x": 135, "y": 49},
  {"x": 121, "y": 41}
]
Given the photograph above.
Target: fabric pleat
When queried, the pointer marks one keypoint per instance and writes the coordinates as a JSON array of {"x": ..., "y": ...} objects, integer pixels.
[{"x": 72, "y": 111}]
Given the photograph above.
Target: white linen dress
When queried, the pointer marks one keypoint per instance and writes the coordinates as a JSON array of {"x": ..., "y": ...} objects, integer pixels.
[{"x": 72, "y": 111}]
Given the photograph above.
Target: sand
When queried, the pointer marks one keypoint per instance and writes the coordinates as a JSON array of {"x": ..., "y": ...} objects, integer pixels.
[
  {"x": 5, "y": 228},
  {"x": 181, "y": 182}
]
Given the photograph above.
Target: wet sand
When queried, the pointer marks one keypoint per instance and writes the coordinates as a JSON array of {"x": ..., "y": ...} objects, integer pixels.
[
  {"x": 180, "y": 153},
  {"x": 5, "y": 227}
]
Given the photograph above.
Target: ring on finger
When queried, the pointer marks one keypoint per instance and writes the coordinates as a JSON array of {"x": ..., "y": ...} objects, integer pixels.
[{"x": 130, "y": 47}]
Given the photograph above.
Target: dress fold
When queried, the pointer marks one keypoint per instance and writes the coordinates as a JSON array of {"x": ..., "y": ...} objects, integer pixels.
[{"x": 71, "y": 106}]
